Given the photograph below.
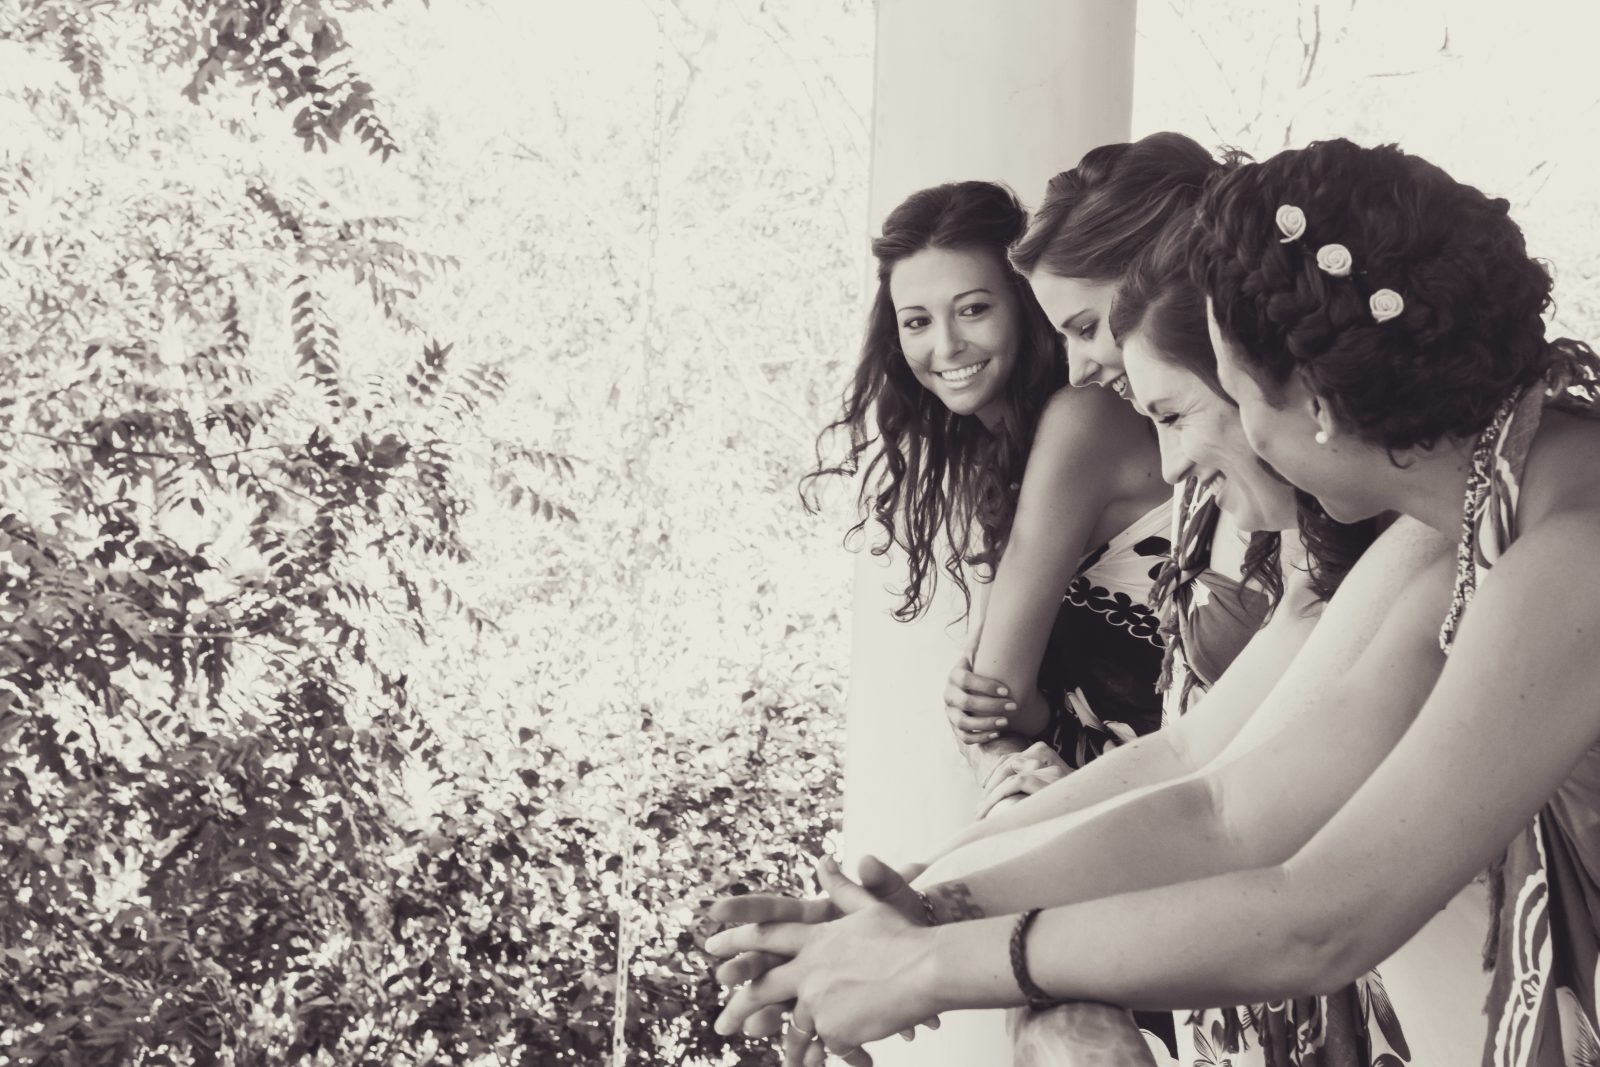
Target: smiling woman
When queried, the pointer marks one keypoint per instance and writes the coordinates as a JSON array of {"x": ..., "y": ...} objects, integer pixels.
[
  {"x": 958, "y": 392},
  {"x": 959, "y": 319}
]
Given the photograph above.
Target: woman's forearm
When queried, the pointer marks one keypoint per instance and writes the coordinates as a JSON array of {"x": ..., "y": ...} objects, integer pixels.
[
  {"x": 1150, "y": 837},
  {"x": 1265, "y": 938},
  {"x": 1147, "y": 761}
]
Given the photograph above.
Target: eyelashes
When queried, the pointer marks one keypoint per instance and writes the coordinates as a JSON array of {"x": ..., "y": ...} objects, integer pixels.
[{"x": 969, "y": 311}]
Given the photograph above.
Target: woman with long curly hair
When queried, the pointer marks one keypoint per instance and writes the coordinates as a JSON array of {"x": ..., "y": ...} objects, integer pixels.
[
  {"x": 1079, "y": 850},
  {"x": 975, "y": 454}
]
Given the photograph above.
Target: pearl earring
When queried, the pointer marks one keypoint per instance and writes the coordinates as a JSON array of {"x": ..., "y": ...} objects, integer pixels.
[{"x": 1321, "y": 437}]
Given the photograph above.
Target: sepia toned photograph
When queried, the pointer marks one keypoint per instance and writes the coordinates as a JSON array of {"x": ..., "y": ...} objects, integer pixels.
[{"x": 773, "y": 533}]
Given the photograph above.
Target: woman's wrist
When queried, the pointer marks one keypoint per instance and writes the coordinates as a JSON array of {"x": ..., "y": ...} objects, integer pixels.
[
  {"x": 929, "y": 981},
  {"x": 965, "y": 965},
  {"x": 1032, "y": 717}
]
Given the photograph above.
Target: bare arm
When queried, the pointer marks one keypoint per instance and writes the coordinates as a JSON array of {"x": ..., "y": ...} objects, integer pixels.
[
  {"x": 1172, "y": 752},
  {"x": 1075, "y": 472},
  {"x": 1512, "y": 714},
  {"x": 1234, "y": 815},
  {"x": 1229, "y": 710}
]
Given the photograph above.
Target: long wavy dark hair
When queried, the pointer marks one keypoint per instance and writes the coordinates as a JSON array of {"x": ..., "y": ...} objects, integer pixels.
[
  {"x": 942, "y": 485},
  {"x": 1159, "y": 298}
]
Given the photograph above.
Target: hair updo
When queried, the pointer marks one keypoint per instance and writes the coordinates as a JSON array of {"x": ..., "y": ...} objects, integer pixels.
[
  {"x": 1472, "y": 328},
  {"x": 1097, "y": 217},
  {"x": 941, "y": 484}
]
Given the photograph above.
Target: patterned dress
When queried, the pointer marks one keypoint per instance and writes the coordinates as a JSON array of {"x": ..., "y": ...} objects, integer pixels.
[
  {"x": 1210, "y": 617},
  {"x": 1206, "y": 617},
  {"x": 1542, "y": 1009},
  {"x": 1099, "y": 670}
]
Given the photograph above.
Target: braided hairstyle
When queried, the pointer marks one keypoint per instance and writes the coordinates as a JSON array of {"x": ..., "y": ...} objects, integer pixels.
[
  {"x": 1471, "y": 331},
  {"x": 933, "y": 476}
]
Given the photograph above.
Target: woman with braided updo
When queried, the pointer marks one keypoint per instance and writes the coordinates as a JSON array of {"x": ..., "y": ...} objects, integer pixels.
[{"x": 1380, "y": 327}]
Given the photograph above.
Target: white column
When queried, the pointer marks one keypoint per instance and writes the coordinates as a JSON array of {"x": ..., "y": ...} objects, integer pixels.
[{"x": 1014, "y": 91}]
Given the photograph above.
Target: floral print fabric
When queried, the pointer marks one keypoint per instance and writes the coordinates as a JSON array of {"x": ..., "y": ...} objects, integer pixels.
[
  {"x": 1104, "y": 655},
  {"x": 1542, "y": 1008}
]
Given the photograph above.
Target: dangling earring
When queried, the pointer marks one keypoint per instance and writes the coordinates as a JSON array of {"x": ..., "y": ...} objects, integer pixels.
[{"x": 1321, "y": 437}]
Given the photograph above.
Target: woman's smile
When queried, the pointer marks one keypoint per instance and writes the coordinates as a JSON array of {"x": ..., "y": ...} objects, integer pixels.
[{"x": 960, "y": 376}]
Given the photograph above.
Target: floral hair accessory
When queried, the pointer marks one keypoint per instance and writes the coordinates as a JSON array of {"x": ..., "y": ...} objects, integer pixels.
[
  {"x": 1291, "y": 223},
  {"x": 1335, "y": 260},
  {"x": 1385, "y": 304}
]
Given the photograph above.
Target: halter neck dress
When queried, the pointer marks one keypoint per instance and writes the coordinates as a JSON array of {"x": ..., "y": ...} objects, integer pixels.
[
  {"x": 1542, "y": 1009},
  {"x": 1099, "y": 669},
  {"x": 1209, "y": 618}
]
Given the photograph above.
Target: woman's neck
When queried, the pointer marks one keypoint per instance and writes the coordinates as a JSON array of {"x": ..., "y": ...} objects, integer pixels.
[
  {"x": 1430, "y": 484},
  {"x": 1292, "y": 553}
]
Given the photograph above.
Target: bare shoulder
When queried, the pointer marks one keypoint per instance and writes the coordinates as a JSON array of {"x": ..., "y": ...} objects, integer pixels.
[
  {"x": 1094, "y": 436},
  {"x": 1402, "y": 552},
  {"x": 1093, "y": 414},
  {"x": 1563, "y": 470},
  {"x": 1558, "y": 540}
]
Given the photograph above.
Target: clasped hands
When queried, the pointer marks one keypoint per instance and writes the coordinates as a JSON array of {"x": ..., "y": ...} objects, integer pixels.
[
  {"x": 977, "y": 706},
  {"x": 849, "y": 968}
]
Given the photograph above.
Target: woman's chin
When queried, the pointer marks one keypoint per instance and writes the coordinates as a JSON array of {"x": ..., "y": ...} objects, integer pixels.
[
  {"x": 1245, "y": 519},
  {"x": 967, "y": 403},
  {"x": 1344, "y": 510}
]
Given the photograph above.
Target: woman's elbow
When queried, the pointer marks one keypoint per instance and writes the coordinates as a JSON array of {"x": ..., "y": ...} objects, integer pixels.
[
  {"x": 1324, "y": 949},
  {"x": 1258, "y": 834},
  {"x": 1323, "y": 961}
]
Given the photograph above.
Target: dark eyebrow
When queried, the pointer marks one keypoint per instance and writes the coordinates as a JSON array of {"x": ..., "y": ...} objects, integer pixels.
[
  {"x": 953, "y": 299},
  {"x": 1067, "y": 323},
  {"x": 1149, "y": 406}
]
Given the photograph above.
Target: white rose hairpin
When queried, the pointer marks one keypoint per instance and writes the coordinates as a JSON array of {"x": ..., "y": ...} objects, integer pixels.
[
  {"x": 1385, "y": 304},
  {"x": 1334, "y": 260},
  {"x": 1291, "y": 223}
]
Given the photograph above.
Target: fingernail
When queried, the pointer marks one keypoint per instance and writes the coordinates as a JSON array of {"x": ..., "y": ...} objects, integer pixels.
[
  {"x": 1002, "y": 722},
  {"x": 1011, "y": 706},
  {"x": 713, "y": 942},
  {"x": 1003, "y": 691}
]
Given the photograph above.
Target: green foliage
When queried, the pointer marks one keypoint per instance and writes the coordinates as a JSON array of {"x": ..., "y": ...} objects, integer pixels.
[{"x": 283, "y": 777}]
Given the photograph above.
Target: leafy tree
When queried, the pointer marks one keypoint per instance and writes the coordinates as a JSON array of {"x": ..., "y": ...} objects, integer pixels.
[{"x": 265, "y": 797}]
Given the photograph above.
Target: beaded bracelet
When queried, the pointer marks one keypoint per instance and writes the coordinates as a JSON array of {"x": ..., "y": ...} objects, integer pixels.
[{"x": 1037, "y": 998}]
